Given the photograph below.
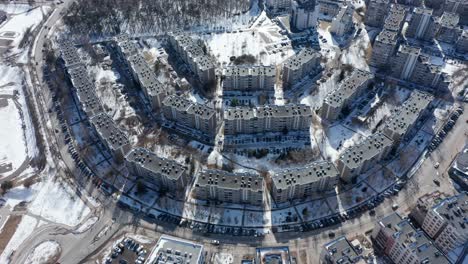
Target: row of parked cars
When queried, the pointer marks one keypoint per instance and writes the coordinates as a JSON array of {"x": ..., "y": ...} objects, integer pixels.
[
  {"x": 369, "y": 205},
  {"x": 207, "y": 228},
  {"x": 445, "y": 130},
  {"x": 68, "y": 138},
  {"x": 139, "y": 251}
]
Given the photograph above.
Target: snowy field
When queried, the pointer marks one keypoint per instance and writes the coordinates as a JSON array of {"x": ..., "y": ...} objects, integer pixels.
[
  {"x": 12, "y": 146},
  {"x": 17, "y": 139},
  {"x": 263, "y": 41},
  {"x": 21, "y": 19},
  {"x": 56, "y": 202}
]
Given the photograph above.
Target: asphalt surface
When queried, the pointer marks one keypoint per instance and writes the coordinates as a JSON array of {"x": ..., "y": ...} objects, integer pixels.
[{"x": 77, "y": 248}]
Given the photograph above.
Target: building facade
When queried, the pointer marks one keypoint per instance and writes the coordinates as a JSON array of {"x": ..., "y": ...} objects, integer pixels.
[
  {"x": 402, "y": 243},
  {"x": 269, "y": 118},
  {"x": 446, "y": 222},
  {"x": 190, "y": 114},
  {"x": 422, "y": 24},
  {"x": 193, "y": 55},
  {"x": 376, "y": 12},
  {"x": 306, "y": 62},
  {"x": 343, "y": 23},
  {"x": 384, "y": 47},
  {"x": 359, "y": 158},
  {"x": 249, "y": 79},
  {"x": 164, "y": 173},
  {"x": 350, "y": 88},
  {"x": 304, "y": 14},
  {"x": 223, "y": 186},
  {"x": 301, "y": 182}
]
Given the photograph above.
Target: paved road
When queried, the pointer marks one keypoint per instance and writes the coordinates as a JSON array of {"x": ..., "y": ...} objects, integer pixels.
[{"x": 77, "y": 247}]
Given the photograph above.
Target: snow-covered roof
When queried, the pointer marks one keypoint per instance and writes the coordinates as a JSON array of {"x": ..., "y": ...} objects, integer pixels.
[
  {"x": 304, "y": 56},
  {"x": 109, "y": 131},
  {"x": 161, "y": 166},
  {"x": 176, "y": 250},
  {"x": 387, "y": 37},
  {"x": 371, "y": 147},
  {"x": 408, "y": 113},
  {"x": 449, "y": 20},
  {"x": 239, "y": 112},
  {"x": 396, "y": 17},
  {"x": 184, "y": 105},
  {"x": 69, "y": 54},
  {"x": 341, "y": 251},
  {"x": 307, "y": 174},
  {"x": 422, "y": 11},
  {"x": 348, "y": 88},
  {"x": 288, "y": 110},
  {"x": 230, "y": 180}
]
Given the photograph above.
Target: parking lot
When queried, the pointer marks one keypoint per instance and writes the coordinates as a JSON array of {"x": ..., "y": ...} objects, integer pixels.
[{"x": 127, "y": 251}]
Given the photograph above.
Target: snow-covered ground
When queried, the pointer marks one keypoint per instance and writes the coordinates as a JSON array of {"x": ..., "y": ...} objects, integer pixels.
[
  {"x": 17, "y": 139},
  {"x": 12, "y": 146},
  {"x": 20, "y": 194},
  {"x": 356, "y": 54},
  {"x": 87, "y": 224},
  {"x": 24, "y": 229},
  {"x": 44, "y": 253},
  {"x": 262, "y": 40},
  {"x": 335, "y": 139},
  {"x": 57, "y": 202},
  {"x": 20, "y": 21}
]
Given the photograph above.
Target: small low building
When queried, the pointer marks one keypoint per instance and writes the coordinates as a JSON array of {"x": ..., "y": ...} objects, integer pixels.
[
  {"x": 340, "y": 251},
  {"x": 176, "y": 250}
]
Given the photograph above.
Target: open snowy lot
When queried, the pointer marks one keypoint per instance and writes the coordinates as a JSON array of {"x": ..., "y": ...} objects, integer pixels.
[
  {"x": 17, "y": 139},
  {"x": 263, "y": 41},
  {"x": 57, "y": 202},
  {"x": 44, "y": 253},
  {"x": 22, "y": 19}
]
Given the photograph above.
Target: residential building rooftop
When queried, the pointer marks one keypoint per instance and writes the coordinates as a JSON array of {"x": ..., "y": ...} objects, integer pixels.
[
  {"x": 387, "y": 36},
  {"x": 409, "y": 112},
  {"x": 348, "y": 87},
  {"x": 150, "y": 161},
  {"x": 239, "y": 112},
  {"x": 303, "y": 175},
  {"x": 449, "y": 20},
  {"x": 230, "y": 180},
  {"x": 369, "y": 148},
  {"x": 303, "y": 57},
  {"x": 109, "y": 131},
  {"x": 395, "y": 18},
  {"x": 454, "y": 210},
  {"x": 288, "y": 110}
]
